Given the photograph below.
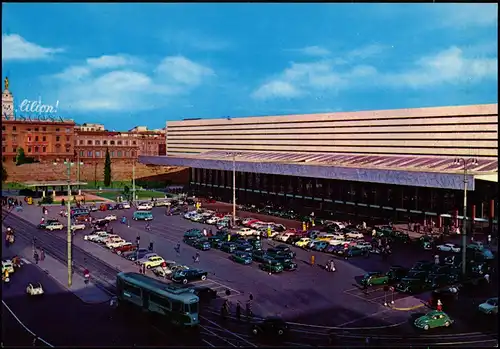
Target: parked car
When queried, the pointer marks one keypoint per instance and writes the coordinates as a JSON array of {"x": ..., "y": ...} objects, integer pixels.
[
  {"x": 145, "y": 206},
  {"x": 229, "y": 247},
  {"x": 111, "y": 217},
  {"x": 152, "y": 262},
  {"x": 241, "y": 257},
  {"x": 128, "y": 247},
  {"x": 489, "y": 307},
  {"x": 79, "y": 226},
  {"x": 271, "y": 266},
  {"x": 135, "y": 255},
  {"x": 375, "y": 278},
  {"x": 202, "y": 244},
  {"x": 185, "y": 276}
]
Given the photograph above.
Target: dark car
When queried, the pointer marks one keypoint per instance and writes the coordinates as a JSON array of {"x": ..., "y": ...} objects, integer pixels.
[
  {"x": 284, "y": 248},
  {"x": 206, "y": 294},
  {"x": 118, "y": 207},
  {"x": 271, "y": 328},
  {"x": 229, "y": 247},
  {"x": 273, "y": 252},
  {"x": 202, "y": 244},
  {"x": 110, "y": 207},
  {"x": 293, "y": 239},
  {"x": 244, "y": 247},
  {"x": 417, "y": 274},
  {"x": 447, "y": 295},
  {"x": 442, "y": 280},
  {"x": 423, "y": 266},
  {"x": 93, "y": 208},
  {"x": 334, "y": 248},
  {"x": 190, "y": 240},
  {"x": 47, "y": 222},
  {"x": 260, "y": 256},
  {"x": 135, "y": 255},
  {"x": 411, "y": 286},
  {"x": 288, "y": 265},
  {"x": 185, "y": 276},
  {"x": 216, "y": 241},
  {"x": 255, "y": 243},
  {"x": 396, "y": 273},
  {"x": 440, "y": 269}
]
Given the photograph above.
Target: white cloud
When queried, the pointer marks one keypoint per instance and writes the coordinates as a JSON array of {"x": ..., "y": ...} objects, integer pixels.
[
  {"x": 467, "y": 15},
  {"x": 110, "y": 62},
  {"x": 450, "y": 66},
  {"x": 365, "y": 52},
  {"x": 184, "y": 71},
  {"x": 113, "y": 83},
  {"x": 181, "y": 40},
  {"x": 276, "y": 89},
  {"x": 314, "y": 51},
  {"x": 15, "y": 47}
]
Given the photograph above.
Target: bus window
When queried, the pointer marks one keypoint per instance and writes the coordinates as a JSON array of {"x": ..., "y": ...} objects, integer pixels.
[
  {"x": 176, "y": 306},
  {"x": 162, "y": 302},
  {"x": 131, "y": 289}
]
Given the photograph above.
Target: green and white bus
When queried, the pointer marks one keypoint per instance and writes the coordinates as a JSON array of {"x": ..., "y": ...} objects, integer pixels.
[{"x": 179, "y": 306}]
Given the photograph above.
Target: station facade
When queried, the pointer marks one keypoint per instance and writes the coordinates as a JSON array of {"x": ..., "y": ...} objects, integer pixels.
[{"x": 390, "y": 163}]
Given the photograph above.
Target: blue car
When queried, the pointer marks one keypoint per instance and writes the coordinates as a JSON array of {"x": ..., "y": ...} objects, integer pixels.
[
  {"x": 203, "y": 245},
  {"x": 320, "y": 246}
]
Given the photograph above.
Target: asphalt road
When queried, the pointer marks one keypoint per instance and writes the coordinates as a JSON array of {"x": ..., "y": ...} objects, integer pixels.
[{"x": 309, "y": 295}]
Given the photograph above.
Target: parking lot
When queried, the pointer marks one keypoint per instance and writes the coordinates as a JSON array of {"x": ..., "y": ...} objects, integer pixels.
[{"x": 300, "y": 295}]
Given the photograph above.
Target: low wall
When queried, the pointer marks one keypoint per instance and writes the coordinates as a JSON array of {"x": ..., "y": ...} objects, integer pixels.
[{"x": 120, "y": 171}]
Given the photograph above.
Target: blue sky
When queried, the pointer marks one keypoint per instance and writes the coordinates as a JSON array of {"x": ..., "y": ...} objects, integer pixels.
[{"x": 143, "y": 64}]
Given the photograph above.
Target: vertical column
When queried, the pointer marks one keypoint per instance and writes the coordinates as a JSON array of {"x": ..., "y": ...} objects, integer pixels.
[
  {"x": 473, "y": 218},
  {"x": 491, "y": 216}
]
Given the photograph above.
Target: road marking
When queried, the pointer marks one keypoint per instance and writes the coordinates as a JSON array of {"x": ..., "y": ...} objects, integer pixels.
[
  {"x": 364, "y": 299},
  {"x": 220, "y": 288},
  {"x": 25, "y": 261},
  {"x": 363, "y": 318}
]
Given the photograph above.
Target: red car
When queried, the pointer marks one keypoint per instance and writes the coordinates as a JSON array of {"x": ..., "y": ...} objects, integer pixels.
[
  {"x": 247, "y": 224},
  {"x": 125, "y": 248}
]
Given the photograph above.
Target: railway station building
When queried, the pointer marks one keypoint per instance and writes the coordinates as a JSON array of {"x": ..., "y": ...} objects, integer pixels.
[{"x": 398, "y": 164}]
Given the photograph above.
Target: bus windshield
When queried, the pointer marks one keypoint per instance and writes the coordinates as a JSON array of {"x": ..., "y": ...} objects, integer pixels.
[{"x": 193, "y": 308}]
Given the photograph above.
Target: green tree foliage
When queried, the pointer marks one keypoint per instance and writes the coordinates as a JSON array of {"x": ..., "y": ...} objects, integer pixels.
[
  {"x": 107, "y": 169},
  {"x": 126, "y": 193},
  {"x": 20, "y": 156}
]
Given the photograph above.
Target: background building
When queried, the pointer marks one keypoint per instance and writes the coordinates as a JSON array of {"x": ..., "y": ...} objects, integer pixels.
[
  {"x": 42, "y": 140},
  {"x": 89, "y": 127},
  {"x": 388, "y": 163}
]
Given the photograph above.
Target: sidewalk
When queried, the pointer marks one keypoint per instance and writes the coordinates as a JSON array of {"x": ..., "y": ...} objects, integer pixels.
[{"x": 90, "y": 293}]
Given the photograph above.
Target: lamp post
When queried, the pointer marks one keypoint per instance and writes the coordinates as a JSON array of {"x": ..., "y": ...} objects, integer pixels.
[
  {"x": 133, "y": 183},
  {"x": 467, "y": 163},
  {"x": 68, "y": 209},
  {"x": 234, "y": 155}
]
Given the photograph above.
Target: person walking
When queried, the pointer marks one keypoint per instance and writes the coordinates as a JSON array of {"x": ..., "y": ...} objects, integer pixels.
[
  {"x": 42, "y": 255},
  {"x": 436, "y": 259},
  {"x": 36, "y": 257},
  {"x": 150, "y": 248},
  {"x": 439, "y": 306},
  {"x": 197, "y": 257},
  {"x": 487, "y": 278},
  {"x": 238, "y": 311}
]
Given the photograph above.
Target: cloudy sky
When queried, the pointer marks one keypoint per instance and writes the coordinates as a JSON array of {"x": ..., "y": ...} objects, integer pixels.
[{"x": 143, "y": 64}]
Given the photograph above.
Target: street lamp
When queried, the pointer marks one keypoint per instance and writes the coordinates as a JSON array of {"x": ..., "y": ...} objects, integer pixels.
[
  {"x": 467, "y": 163},
  {"x": 68, "y": 208},
  {"x": 133, "y": 183},
  {"x": 234, "y": 155}
]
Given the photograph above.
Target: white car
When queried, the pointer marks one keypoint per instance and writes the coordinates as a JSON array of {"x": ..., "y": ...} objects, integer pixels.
[
  {"x": 116, "y": 243},
  {"x": 111, "y": 217},
  {"x": 337, "y": 226},
  {"x": 213, "y": 220},
  {"x": 125, "y": 204},
  {"x": 7, "y": 265},
  {"x": 79, "y": 226},
  {"x": 336, "y": 242},
  {"x": 145, "y": 206},
  {"x": 247, "y": 232},
  {"x": 146, "y": 257},
  {"x": 34, "y": 289},
  {"x": 190, "y": 214},
  {"x": 353, "y": 234},
  {"x": 96, "y": 236},
  {"x": 449, "y": 248},
  {"x": 54, "y": 226},
  {"x": 160, "y": 203},
  {"x": 108, "y": 238},
  {"x": 197, "y": 218},
  {"x": 254, "y": 225}
]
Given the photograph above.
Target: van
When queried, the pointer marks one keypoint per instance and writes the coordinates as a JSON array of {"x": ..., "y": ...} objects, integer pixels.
[{"x": 142, "y": 216}]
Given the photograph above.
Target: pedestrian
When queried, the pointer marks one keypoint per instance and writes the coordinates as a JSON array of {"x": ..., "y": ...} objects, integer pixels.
[
  {"x": 248, "y": 310},
  {"x": 36, "y": 257},
  {"x": 204, "y": 232},
  {"x": 42, "y": 255},
  {"x": 332, "y": 265},
  {"x": 197, "y": 257},
  {"x": 63, "y": 202},
  {"x": 238, "y": 311},
  {"x": 374, "y": 232},
  {"x": 487, "y": 278},
  {"x": 140, "y": 269},
  {"x": 150, "y": 248},
  {"x": 489, "y": 239},
  {"x": 211, "y": 232},
  {"x": 436, "y": 259},
  {"x": 144, "y": 268},
  {"x": 439, "y": 306}
]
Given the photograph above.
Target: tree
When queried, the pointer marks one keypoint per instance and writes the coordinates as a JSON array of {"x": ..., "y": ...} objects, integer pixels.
[
  {"x": 126, "y": 193},
  {"x": 20, "y": 156},
  {"x": 107, "y": 169},
  {"x": 4, "y": 173}
]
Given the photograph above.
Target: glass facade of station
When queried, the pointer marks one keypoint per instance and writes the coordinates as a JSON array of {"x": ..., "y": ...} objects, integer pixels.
[{"x": 355, "y": 198}]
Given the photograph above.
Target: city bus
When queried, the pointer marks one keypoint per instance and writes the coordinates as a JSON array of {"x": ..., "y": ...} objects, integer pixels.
[{"x": 179, "y": 306}]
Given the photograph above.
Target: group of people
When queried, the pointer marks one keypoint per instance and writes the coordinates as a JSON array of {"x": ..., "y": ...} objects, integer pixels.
[{"x": 225, "y": 309}]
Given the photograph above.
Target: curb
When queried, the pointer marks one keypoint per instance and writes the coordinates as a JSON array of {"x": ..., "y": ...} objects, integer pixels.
[{"x": 409, "y": 308}]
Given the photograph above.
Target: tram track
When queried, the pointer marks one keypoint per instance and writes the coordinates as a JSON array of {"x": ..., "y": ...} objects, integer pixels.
[
  {"x": 104, "y": 275},
  {"x": 213, "y": 334}
]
